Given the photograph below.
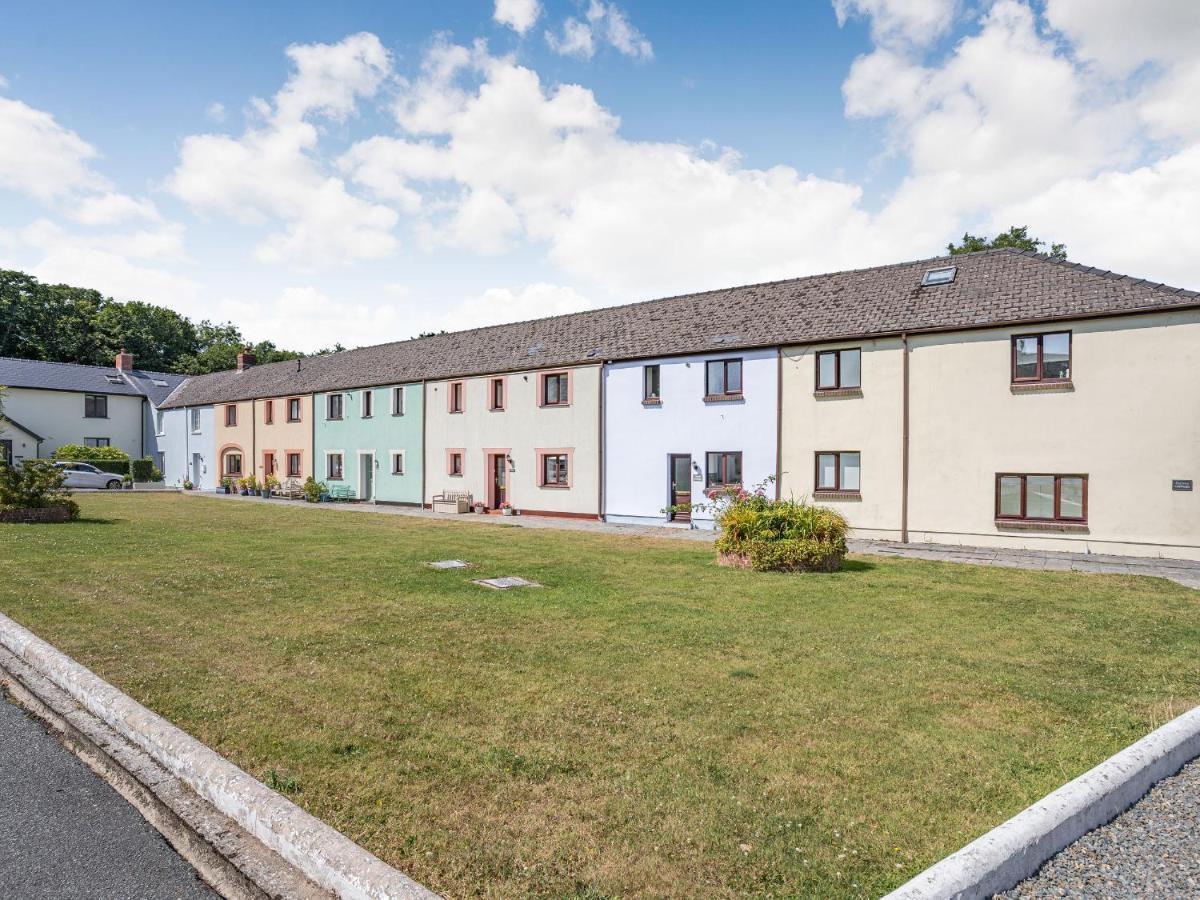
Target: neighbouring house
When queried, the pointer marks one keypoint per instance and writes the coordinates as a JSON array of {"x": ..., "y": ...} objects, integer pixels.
[
  {"x": 528, "y": 438},
  {"x": 283, "y": 437},
  {"x": 369, "y": 441},
  {"x": 50, "y": 404},
  {"x": 677, "y": 427},
  {"x": 188, "y": 441}
]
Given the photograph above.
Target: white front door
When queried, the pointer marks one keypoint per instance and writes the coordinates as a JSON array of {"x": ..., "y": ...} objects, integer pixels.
[
  {"x": 196, "y": 470},
  {"x": 366, "y": 476}
]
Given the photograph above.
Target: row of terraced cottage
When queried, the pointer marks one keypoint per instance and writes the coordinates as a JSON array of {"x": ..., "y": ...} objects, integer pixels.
[{"x": 998, "y": 399}]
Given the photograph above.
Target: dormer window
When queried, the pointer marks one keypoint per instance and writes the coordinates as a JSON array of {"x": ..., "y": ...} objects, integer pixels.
[{"x": 943, "y": 275}]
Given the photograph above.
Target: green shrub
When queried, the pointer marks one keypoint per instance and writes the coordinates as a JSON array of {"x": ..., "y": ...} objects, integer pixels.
[
  {"x": 35, "y": 484},
  {"x": 313, "y": 489},
  {"x": 777, "y": 535},
  {"x": 144, "y": 470},
  {"x": 80, "y": 453}
]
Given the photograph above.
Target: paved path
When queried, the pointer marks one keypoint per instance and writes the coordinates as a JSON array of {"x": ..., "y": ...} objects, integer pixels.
[
  {"x": 1184, "y": 572},
  {"x": 1150, "y": 850},
  {"x": 65, "y": 834}
]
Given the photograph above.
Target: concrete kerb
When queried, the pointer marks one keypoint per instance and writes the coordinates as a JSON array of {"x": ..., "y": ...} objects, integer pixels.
[
  {"x": 327, "y": 857},
  {"x": 1010, "y": 853}
]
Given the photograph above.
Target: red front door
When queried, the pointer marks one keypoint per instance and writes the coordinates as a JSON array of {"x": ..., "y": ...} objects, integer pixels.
[
  {"x": 497, "y": 483},
  {"x": 268, "y": 464}
]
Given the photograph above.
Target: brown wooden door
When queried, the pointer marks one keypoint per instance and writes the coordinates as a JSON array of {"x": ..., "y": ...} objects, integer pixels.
[
  {"x": 498, "y": 483},
  {"x": 268, "y": 464},
  {"x": 681, "y": 487}
]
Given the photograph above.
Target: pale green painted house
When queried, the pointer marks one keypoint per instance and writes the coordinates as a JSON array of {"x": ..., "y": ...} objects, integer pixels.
[{"x": 369, "y": 440}]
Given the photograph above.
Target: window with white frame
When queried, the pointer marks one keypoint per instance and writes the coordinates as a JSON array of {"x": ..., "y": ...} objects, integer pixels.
[
  {"x": 334, "y": 404},
  {"x": 397, "y": 462},
  {"x": 397, "y": 401},
  {"x": 368, "y": 404},
  {"x": 195, "y": 413}
]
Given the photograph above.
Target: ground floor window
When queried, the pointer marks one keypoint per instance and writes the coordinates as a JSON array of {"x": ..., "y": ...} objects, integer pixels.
[
  {"x": 1041, "y": 498},
  {"x": 233, "y": 464},
  {"x": 839, "y": 470},
  {"x": 397, "y": 462},
  {"x": 723, "y": 468},
  {"x": 334, "y": 466},
  {"x": 97, "y": 442},
  {"x": 554, "y": 470},
  {"x": 455, "y": 463},
  {"x": 293, "y": 465}
]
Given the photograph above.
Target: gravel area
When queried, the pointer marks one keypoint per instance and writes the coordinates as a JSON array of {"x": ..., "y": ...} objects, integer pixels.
[{"x": 1150, "y": 850}]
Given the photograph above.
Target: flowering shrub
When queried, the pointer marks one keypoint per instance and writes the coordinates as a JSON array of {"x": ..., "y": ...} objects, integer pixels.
[
  {"x": 35, "y": 484},
  {"x": 776, "y": 535}
]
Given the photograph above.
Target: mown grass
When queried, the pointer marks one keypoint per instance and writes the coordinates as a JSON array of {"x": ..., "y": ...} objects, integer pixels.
[{"x": 645, "y": 724}]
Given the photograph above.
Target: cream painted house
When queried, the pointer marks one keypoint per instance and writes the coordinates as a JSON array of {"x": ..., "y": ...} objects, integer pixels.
[
  {"x": 283, "y": 437},
  {"x": 527, "y": 438}
]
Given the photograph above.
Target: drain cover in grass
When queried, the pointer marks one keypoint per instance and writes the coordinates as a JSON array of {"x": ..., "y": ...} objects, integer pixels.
[
  {"x": 449, "y": 564},
  {"x": 508, "y": 581}
]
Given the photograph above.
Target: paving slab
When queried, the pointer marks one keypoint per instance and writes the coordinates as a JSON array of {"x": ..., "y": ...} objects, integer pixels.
[{"x": 65, "y": 833}]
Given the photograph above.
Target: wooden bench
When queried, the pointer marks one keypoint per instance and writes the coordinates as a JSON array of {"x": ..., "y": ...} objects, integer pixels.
[{"x": 452, "y": 502}]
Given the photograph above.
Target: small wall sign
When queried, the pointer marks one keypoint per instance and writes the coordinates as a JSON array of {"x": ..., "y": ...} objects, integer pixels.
[
  {"x": 1181, "y": 484},
  {"x": 696, "y": 476}
]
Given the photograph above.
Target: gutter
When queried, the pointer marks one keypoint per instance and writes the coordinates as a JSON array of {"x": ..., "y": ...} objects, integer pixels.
[
  {"x": 424, "y": 461},
  {"x": 603, "y": 438},
  {"x": 904, "y": 442}
]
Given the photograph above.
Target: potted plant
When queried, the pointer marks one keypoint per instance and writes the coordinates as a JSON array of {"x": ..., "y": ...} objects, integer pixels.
[
  {"x": 251, "y": 485},
  {"x": 187, "y": 484},
  {"x": 479, "y": 507},
  {"x": 506, "y": 509},
  {"x": 270, "y": 485},
  {"x": 127, "y": 480},
  {"x": 313, "y": 490},
  {"x": 243, "y": 485},
  {"x": 227, "y": 484}
]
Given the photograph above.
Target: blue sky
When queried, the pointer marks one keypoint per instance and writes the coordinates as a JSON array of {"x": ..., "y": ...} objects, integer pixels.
[{"x": 364, "y": 171}]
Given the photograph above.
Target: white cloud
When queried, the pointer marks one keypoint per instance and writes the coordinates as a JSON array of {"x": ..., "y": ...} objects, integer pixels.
[
  {"x": 496, "y": 306},
  {"x": 605, "y": 22},
  {"x": 1119, "y": 36},
  {"x": 41, "y": 158},
  {"x": 215, "y": 111},
  {"x": 893, "y": 22},
  {"x": 273, "y": 173},
  {"x": 111, "y": 208},
  {"x": 519, "y": 15}
]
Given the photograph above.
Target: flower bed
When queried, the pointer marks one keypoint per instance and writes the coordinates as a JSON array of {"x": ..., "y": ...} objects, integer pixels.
[{"x": 38, "y": 515}]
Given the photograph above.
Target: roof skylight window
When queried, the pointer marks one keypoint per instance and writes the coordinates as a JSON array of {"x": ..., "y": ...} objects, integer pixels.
[{"x": 944, "y": 275}]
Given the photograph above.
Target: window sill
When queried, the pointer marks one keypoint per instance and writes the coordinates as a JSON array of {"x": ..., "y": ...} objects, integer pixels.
[
  {"x": 554, "y": 405},
  {"x": 837, "y": 393},
  {"x": 651, "y": 403},
  {"x": 294, "y": 421},
  {"x": 397, "y": 415},
  {"x": 495, "y": 409},
  {"x": 724, "y": 398},
  {"x": 837, "y": 495},
  {"x": 455, "y": 412},
  {"x": 454, "y": 475},
  {"x": 1042, "y": 387},
  {"x": 333, "y": 418},
  {"x": 1043, "y": 525},
  {"x": 555, "y": 487},
  {"x": 366, "y": 417}
]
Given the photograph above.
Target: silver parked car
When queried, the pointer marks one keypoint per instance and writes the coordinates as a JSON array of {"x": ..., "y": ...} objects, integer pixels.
[{"x": 82, "y": 475}]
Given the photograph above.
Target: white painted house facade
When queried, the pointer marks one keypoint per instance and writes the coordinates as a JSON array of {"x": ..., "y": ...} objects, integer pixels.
[
  {"x": 677, "y": 427},
  {"x": 187, "y": 446}
]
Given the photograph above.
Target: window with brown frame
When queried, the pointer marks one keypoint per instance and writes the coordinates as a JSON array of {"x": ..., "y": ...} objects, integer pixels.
[
  {"x": 723, "y": 378},
  {"x": 368, "y": 404},
  {"x": 230, "y": 416},
  {"x": 397, "y": 462},
  {"x": 456, "y": 464},
  {"x": 233, "y": 463},
  {"x": 334, "y": 404},
  {"x": 554, "y": 470},
  {"x": 333, "y": 466},
  {"x": 293, "y": 465},
  {"x": 838, "y": 470},
  {"x": 496, "y": 395},
  {"x": 398, "y": 401},
  {"x": 651, "y": 384},
  {"x": 456, "y": 396},
  {"x": 1041, "y": 498},
  {"x": 268, "y": 412},
  {"x": 723, "y": 468},
  {"x": 555, "y": 389},
  {"x": 293, "y": 409},
  {"x": 839, "y": 370},
  {"x": 1041, "y": 357}
]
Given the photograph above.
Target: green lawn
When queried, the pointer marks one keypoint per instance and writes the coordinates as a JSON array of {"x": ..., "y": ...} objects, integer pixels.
[{"x": 645, "y": 724}]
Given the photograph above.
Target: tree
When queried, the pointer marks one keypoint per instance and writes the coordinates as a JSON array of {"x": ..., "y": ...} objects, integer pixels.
[{"x": 1016, "y": 237}]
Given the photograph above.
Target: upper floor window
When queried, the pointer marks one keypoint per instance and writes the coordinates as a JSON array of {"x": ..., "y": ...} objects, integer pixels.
[
  {"x": 456, "y": 396},
  {"x": 839, "y": 369},
  {"x": 1041, "y": 357},
  {"x": 333, "y": 406},
  {"x": 397, "y": 401},
  {"x": 496, "y": 394},
  {"x": 159, "y": 425},
  {"x": 231, "y": 415},
  {"x": 1044, "y": 498},
  {"x": 723, "y": 378},
  {"x": 95, "y": 406},
  {"x": 723, "y": 468},
  {"x": 368, "y": 404},
  {"x": 293, "y": 409},
  {"x": 268, "y": 412},
  {"x": 555, "y": 389},
  {"x": 651, "y": 384},
  {"x": 195, "y": 421},
  {"x": 839, "y": 471}
]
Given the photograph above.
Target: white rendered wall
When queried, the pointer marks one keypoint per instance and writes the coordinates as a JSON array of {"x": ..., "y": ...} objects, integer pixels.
[
  {"x": 178, "y": 443},
  {"x": 58, "y": 417},
  {"x": 639, "y": 440}
]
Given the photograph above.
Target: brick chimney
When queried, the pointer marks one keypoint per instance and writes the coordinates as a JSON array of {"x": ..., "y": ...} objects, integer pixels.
[
  {"x": 124, "y": 361},
  {"x": 245, "y": 359}
]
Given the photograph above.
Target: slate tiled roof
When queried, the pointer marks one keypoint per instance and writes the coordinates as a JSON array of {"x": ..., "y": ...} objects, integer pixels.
[
  {"x": 33, "y": 373},
  {"x": 991, "y": 288}
]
